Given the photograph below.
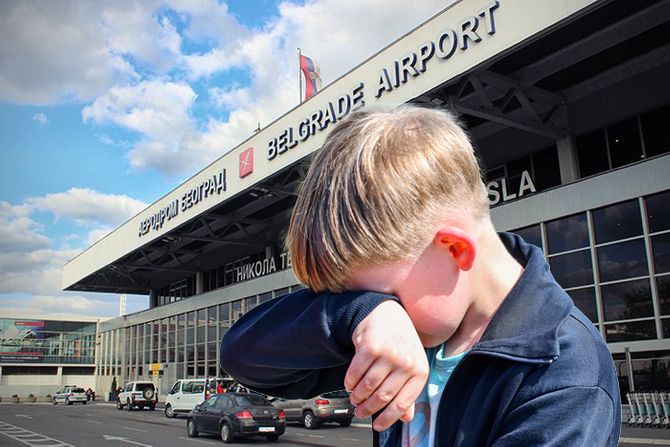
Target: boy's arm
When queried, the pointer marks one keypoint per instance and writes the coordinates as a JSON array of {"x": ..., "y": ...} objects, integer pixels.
[
  {"x": 297, "y": 345},
  {"x": 301, "y": 344},
  {"x": 569, "y": 416}
]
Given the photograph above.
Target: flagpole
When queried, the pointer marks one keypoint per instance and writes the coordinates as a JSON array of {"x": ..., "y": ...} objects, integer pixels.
[{"x": 299, "y": 78}]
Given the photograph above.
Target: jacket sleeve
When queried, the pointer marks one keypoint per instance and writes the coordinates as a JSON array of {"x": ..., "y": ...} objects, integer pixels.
[
  {"x": 297, "y": 345},
  {"x": 569, "y": 416}
]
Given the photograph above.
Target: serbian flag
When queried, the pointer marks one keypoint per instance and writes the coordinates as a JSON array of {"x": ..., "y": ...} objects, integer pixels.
[{"x": 312, "y": 77}]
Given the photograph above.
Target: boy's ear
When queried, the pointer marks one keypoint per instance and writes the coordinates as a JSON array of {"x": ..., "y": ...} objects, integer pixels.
[{"x": 461, "y": 246}]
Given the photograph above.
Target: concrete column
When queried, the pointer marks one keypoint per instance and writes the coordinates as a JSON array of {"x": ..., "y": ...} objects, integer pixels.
[
  {"x": 567, "y": 160},
  {"x": 629, "y": 367},
  {"x": 153, "y": 298},
  {"x": 59, "y": 376},
  {"x": 199, "y": 283}
]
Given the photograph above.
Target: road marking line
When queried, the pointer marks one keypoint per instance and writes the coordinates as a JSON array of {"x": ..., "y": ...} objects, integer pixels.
[
  {"x": 36, "y": 439},
  {"x": 134, "y": 429},
  {"x": 122, "y": 439},
  {"x": 316, "y": 436},
  {"x": 627, "y": 440},
  {"x": 24, "y": 416},
  {"x": 350, "y": 439},
  {"x": 94, "y": 422},
  {"x": 197, "y": 440}
]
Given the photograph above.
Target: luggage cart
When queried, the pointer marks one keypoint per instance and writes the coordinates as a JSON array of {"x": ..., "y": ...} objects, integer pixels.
[
  {"x": 632, "y": 418},
  {"x": 641, "y": 410},
  {"x": 657, "y": 415},
  {"x": 665, "y": 405},
  {"x": 650, "y": 412}
]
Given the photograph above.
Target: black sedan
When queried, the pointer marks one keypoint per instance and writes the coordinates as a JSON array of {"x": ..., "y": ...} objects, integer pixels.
[{"x": 235, "y": 415}]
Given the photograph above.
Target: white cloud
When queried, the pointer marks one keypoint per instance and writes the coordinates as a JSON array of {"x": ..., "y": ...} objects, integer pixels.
[
  {"x": 18, "y": 232},
  {"x": 105, "y": 139},
  {"x": 29, "y": 263},
  {"x": 87, "y": 207},
  {"x": 136, "y": 29},
  {"x": 57, "y": 52},
  {"x": 158, "y": 111},
  {"x": 40, "y": 118},
  {"x": 36, "y": 272},
  {"x": 153, "y": 108}
]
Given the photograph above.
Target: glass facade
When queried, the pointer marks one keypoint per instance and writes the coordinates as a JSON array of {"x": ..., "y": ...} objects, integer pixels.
[
  {"x": 46, "y": 341},
  {"x": 614, "y": 262},
  {"x": 188, "y": 343},
  {"x": 625, "y": 142}
]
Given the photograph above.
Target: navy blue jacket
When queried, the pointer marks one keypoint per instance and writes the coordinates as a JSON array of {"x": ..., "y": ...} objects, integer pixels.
[{"x": 541, "y": 375}]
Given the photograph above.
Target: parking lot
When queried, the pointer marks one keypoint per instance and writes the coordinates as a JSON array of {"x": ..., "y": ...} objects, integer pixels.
[{"x": 102, "y": 425}]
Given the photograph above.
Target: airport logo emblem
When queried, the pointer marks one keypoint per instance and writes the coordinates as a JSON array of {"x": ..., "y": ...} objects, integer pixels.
[{"x": 246, "y": 162}]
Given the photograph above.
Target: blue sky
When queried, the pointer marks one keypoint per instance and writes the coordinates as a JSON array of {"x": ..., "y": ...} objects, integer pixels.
[{"x": 107, "y": 106}]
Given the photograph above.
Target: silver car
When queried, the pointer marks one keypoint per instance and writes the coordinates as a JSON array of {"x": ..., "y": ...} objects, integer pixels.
[
  {"x": 327, "y": 407},
  {"x": 70, "y": 395}
]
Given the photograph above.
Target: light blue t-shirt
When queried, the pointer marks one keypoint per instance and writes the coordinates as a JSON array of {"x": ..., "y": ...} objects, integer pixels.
[{"x": 420, "y": 431}]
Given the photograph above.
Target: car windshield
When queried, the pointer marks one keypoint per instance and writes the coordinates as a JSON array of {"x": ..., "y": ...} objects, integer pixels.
[
  {"x": 78, "y": 390},
  {"x": 336, "y": 394},
  {"x": 144, "y": 386},
  {"x": 251, "y": 399}
]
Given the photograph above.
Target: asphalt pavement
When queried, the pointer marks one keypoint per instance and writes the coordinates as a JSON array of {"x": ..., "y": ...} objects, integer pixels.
[{"x": 102, "y": 425}]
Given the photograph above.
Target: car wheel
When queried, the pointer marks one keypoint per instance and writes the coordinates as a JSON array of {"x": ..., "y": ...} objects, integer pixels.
[
  {"x": 308, "y": 420},
  {"x": 191, "y": 428},
  {"x": 273, "y": 438},
  {"x": 119, "y": 405},
  {"x": 67, "y": 401},
  {"x": 169, "y": 412},
  {"x": 226, "y": 435},
  {"x": 129, "y": 405},
  {"x": 345, "y": 423},
  {"x": 54, "y": 401},
  {"x": 84, "y": 402}
]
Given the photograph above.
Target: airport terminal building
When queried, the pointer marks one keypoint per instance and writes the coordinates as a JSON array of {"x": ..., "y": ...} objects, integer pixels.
[
  {"x": 567, "y": 103},
  {"x": 39, "y": 355}
]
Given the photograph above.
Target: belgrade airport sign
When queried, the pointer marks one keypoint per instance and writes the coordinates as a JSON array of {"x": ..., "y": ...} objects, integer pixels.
[{"x": 216, "y": 184}]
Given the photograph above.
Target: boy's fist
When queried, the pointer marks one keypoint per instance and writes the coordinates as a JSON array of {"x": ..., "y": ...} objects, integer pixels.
[{"x": 389, "y": 368}]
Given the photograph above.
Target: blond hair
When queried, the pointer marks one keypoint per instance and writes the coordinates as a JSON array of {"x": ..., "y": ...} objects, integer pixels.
[{"x": 380, "y": 180}]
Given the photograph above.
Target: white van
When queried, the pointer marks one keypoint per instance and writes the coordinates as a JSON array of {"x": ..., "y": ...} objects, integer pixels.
[{"x": 185, "y": 394}]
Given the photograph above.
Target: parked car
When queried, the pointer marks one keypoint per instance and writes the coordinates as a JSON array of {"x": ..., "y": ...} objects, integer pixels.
[
  {"x": 327, "y": 407},
  {"x": 185, "y": 394},
  {"x": 237, "y": 415},
  {"x": 70, "y": 394},
  {"x": 140, "y": 394}
]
